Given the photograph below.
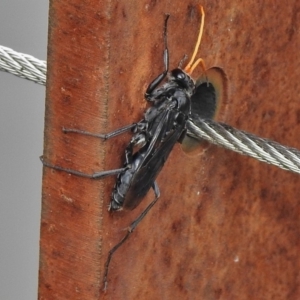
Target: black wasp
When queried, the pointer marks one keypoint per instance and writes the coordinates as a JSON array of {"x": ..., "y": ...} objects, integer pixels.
[{"x": 163, "y": 125}]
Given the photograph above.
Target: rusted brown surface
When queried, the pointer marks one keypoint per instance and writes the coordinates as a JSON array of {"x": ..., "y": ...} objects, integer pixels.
[{"x": 226, "y": 226}]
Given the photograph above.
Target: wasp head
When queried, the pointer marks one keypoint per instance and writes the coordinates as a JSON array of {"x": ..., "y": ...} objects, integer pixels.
[{"x": 183, "y": 80}]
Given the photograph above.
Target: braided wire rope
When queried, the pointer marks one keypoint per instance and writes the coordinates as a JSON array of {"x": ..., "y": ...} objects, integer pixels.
[
  {"x": 245, "y": 143},
  {"x": 223, "y": 135},
  {"x": 23, "y": 65}
]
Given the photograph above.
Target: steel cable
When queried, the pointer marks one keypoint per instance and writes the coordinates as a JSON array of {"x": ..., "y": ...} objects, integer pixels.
[
  {"x": 265, "y": 150},
  {"x": 23, "y": 65}
]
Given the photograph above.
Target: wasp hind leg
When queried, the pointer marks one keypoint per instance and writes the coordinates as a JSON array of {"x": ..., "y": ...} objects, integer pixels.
[
  {"x": 130, "y": 229},
  {"x": 106, "y": 136},
  {"x": 96, "y": 175}
]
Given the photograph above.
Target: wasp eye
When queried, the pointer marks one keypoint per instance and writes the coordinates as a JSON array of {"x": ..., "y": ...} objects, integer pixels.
[{"x": 178, "y": 74}]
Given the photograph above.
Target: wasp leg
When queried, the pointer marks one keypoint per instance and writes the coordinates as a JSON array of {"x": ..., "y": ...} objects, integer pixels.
[
  {"x": 152, "y": 86},
  {"x": 99, "y": 135},
  {"x": 130, "y": 229},
  {"x": 96, "y": 175}
]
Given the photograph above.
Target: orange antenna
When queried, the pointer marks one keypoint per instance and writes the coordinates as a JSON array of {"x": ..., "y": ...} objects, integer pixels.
[{"x": 192, "y": 65}]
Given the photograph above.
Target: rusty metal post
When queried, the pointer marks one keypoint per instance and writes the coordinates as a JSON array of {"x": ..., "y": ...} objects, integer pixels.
[{"x": 225, "y": 227}]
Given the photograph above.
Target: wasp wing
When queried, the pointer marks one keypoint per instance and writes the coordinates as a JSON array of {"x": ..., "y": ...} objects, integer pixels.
[{"x": 158, "y": 151}]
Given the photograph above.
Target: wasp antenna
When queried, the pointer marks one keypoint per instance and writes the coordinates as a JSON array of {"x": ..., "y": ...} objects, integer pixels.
[
  {"x": 191, "y": 65},
  {"x": 165, "y": 28}
]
